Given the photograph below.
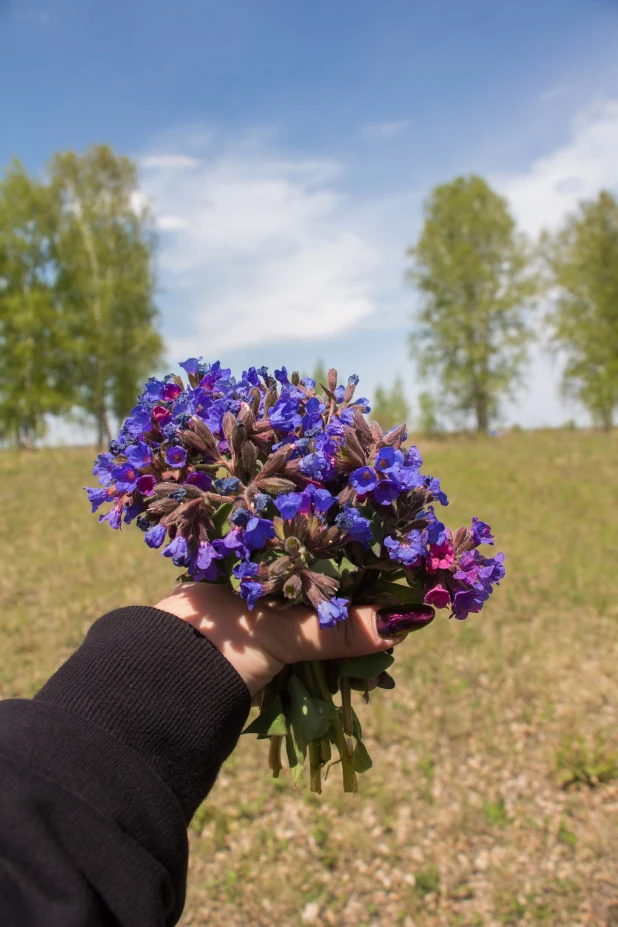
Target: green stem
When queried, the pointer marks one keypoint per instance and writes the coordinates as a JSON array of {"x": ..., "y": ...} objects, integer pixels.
[
  {"x": 274, "y": 755},
  {"x": 346, "y": 704},
  {"x": 349, "y": 776},
  {"x": 315, "y": 768}
]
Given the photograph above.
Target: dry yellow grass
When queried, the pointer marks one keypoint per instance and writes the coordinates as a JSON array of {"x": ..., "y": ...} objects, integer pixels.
[{"x": 462, "y": 821}]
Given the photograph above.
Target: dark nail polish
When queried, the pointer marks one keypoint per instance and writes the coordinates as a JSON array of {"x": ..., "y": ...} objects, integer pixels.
[{"x": 401, "y": 619}]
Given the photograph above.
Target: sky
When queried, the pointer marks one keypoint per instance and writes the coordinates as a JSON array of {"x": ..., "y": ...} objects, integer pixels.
[{"x": 287, "y": 149}]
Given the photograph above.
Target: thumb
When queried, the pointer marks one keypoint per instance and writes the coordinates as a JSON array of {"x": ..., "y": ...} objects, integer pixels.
[{"x": 366, "y": 630}]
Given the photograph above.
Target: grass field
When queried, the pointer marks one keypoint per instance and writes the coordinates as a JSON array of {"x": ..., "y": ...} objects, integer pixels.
[{"x": 465, "y": 818}]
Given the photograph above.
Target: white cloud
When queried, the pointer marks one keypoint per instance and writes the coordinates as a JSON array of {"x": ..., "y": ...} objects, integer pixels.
[
  {"x": 257, "y": 248},
  {"x": 553, "y": 185},
  {"x": 384, "y": 129}
]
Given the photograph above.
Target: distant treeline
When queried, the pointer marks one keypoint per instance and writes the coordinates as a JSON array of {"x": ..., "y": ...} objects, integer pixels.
[{"x": 78, "y": 323}]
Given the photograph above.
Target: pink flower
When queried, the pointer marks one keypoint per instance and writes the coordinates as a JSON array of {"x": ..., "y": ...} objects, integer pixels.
[
  {"x": 440, "y": 556},
  {"x": 438, "y": 596}
]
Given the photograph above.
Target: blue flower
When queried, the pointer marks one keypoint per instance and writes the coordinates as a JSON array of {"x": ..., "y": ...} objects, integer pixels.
[
  {"x": 138, "y": 421},
  {"x": 240, "y": 517},
  {"x": 257, "y": 532},
  {"x": 206, "y": 553},
  {"x": 251, "y": 592},
  {"x": 363, "y": 480},
  {"x": 132, "y": 511},
  {"x": 407, "y": 478},
  {"x": 288, "y": 504},
  {"x": 339, "y": 392},
  {"x": 282, "y": 376},
  {"x": 191, "y": 365},
  {"x": 139, "y": 455},
  {"x": 351, "y": 521},
  {"x": 153, "y": 390},
  {"x": 155, "y": 536},
  {"x": 322, "y": 499},
  {"x": 103, "y": 466},
  {"x": 316, "y": 465},
  {"x": 436, "y": 531},
  {"x": 408, "y": 549},
  {"x": 385, "y": 492},
  {"x": 481, "y": 532},
  {"x": 388, "y": 459},
  {"x": 97, "y": 496},
  {"x": 433, "y": 485},
  {"x": 246, "y": 569},
  {"x": 284, "y": 416},
  {"x": 332, "y": 611},
  {"x": 413, "y": 458},
  {"x": 260, "y": 503},
  {"x": 177, "y": 550},
  {"x": 227, "y": 485},
  {"x": 176, "y": 456},
  {"x": 113, "y": 518},
  {"x": 125, "y": 477},
  {"x": 353, "y": 380}
]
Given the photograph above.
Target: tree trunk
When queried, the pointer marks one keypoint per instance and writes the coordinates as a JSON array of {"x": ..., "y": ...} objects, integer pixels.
[
  {"x": 482, "y": 414},
  {"x": 103, "y": 432}
]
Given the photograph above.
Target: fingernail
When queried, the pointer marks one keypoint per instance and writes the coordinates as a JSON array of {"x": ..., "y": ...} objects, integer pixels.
[{"x": 399, "y": 619}]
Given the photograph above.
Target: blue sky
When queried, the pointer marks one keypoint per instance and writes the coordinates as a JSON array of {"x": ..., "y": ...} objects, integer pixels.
[{"x": 287, "y": 149}]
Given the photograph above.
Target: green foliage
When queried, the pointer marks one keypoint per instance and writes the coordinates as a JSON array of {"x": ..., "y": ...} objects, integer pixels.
[
  {"x": 495, "y": 813},
  {"x": 390, "y": 407},
  {"x": 35, "y": 367},
  {"x": 103, "y": 245},
  {"x": 472, "y": 269},
  {"x": 427, "y": 880},
  {"x": 428, "y": 423},
  {"x": 583, "y": 262},
  {"x": 320, "y": 376},
  {"x": 576, "y": 762}
]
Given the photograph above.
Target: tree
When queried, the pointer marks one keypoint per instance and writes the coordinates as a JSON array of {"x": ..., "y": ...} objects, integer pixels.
[
  {"x": 320, "y": 376},
  {"x": 103, "y": 252},
  {"x": 390, "y": 407},
  {"x": 428, "y": 423},
  {"x": 473, "y": 271},
  {"x": 35, "y": 353},
  {"x": 583, "y": 261}
]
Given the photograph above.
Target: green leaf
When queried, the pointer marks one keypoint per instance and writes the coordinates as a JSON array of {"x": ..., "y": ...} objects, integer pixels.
[
  {"x": 367, "y": 667},
  {"x": 221, "y": 515},
  {"x": 270, "y": 722},
  {"x": 305, "y": 718},
  {"x": 326, "y": 567},
  {"x": 411, "y": 596},
  {"x": 346, "y": 566},
  {"x": 361, "y": 761}
]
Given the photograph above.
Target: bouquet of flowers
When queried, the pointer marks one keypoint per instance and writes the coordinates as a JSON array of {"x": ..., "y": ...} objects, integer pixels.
[{"x": 282, "y": 488}]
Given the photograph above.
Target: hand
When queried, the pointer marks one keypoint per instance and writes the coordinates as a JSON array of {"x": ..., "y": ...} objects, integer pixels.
[{"x": 259, "y": 643}]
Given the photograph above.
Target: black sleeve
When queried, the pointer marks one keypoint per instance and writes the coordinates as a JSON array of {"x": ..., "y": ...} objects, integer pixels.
[{"x": 102, "y": 771}]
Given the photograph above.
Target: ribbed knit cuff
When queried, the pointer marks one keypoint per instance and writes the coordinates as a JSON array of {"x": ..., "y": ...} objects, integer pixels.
[{"x": 157, "y": 685}]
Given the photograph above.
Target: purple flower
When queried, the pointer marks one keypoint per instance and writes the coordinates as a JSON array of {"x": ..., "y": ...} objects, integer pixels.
[
  {"x": 408, "y": 549},
  {"x": 103, "y": 467},
  {"x": 139, "y": 455},
  {"x": 351, "y": 521},
  {"x": 481, "y": 532},
  {"x": 433, "y": 485},
  {"x": 257, "y": 532},
  {"x": 363, "y": 480},
  {"x": 468, "y": 600},
  {"x": 153, "y": 390},
  {"x": 176, "y": 456},
  {"x": 436, "y": 531},
  {"x": 385, "y": 492},
  {"x": 125, "y": 476},
  {"x": 171, "y": 391},
  {"x": 155, "y": 536},
  {"x": 138, "y": 421},
  {"x": 332, "y": 611},
  {"x": 146, "y": 484},
  {"x": 161, "y": 416},
  {"x": 439, "y": 597},
  {"x": 282, "y": 376},
  {"x": 97, "y": 496},
  {"x": 113, "y": 518},
  {"x": 177, "y": 550},
  {"x": 284, "y": 416},
  {"x": 209, "y": 575},
  {"x": 316, "y": 466},
  {"x": 251, "y": 592},
  {"x": 322, "y": 499},
  {"x": 206, "y": 553},
  {"x": 413, "y": 458},
  {"x": 199, "y": 479},
  {"x": 246, "y": 569},
  {"x": 388, "y": 459},
  {"x": 288, "y": 504},
  {"x": 191, "y": 365},
  {"x": 407, "y": 478},
  {"x": 233, "y": 543}
]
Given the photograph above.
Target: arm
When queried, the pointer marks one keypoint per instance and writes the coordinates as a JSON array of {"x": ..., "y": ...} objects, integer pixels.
[{"x": 102, "y": 771}]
